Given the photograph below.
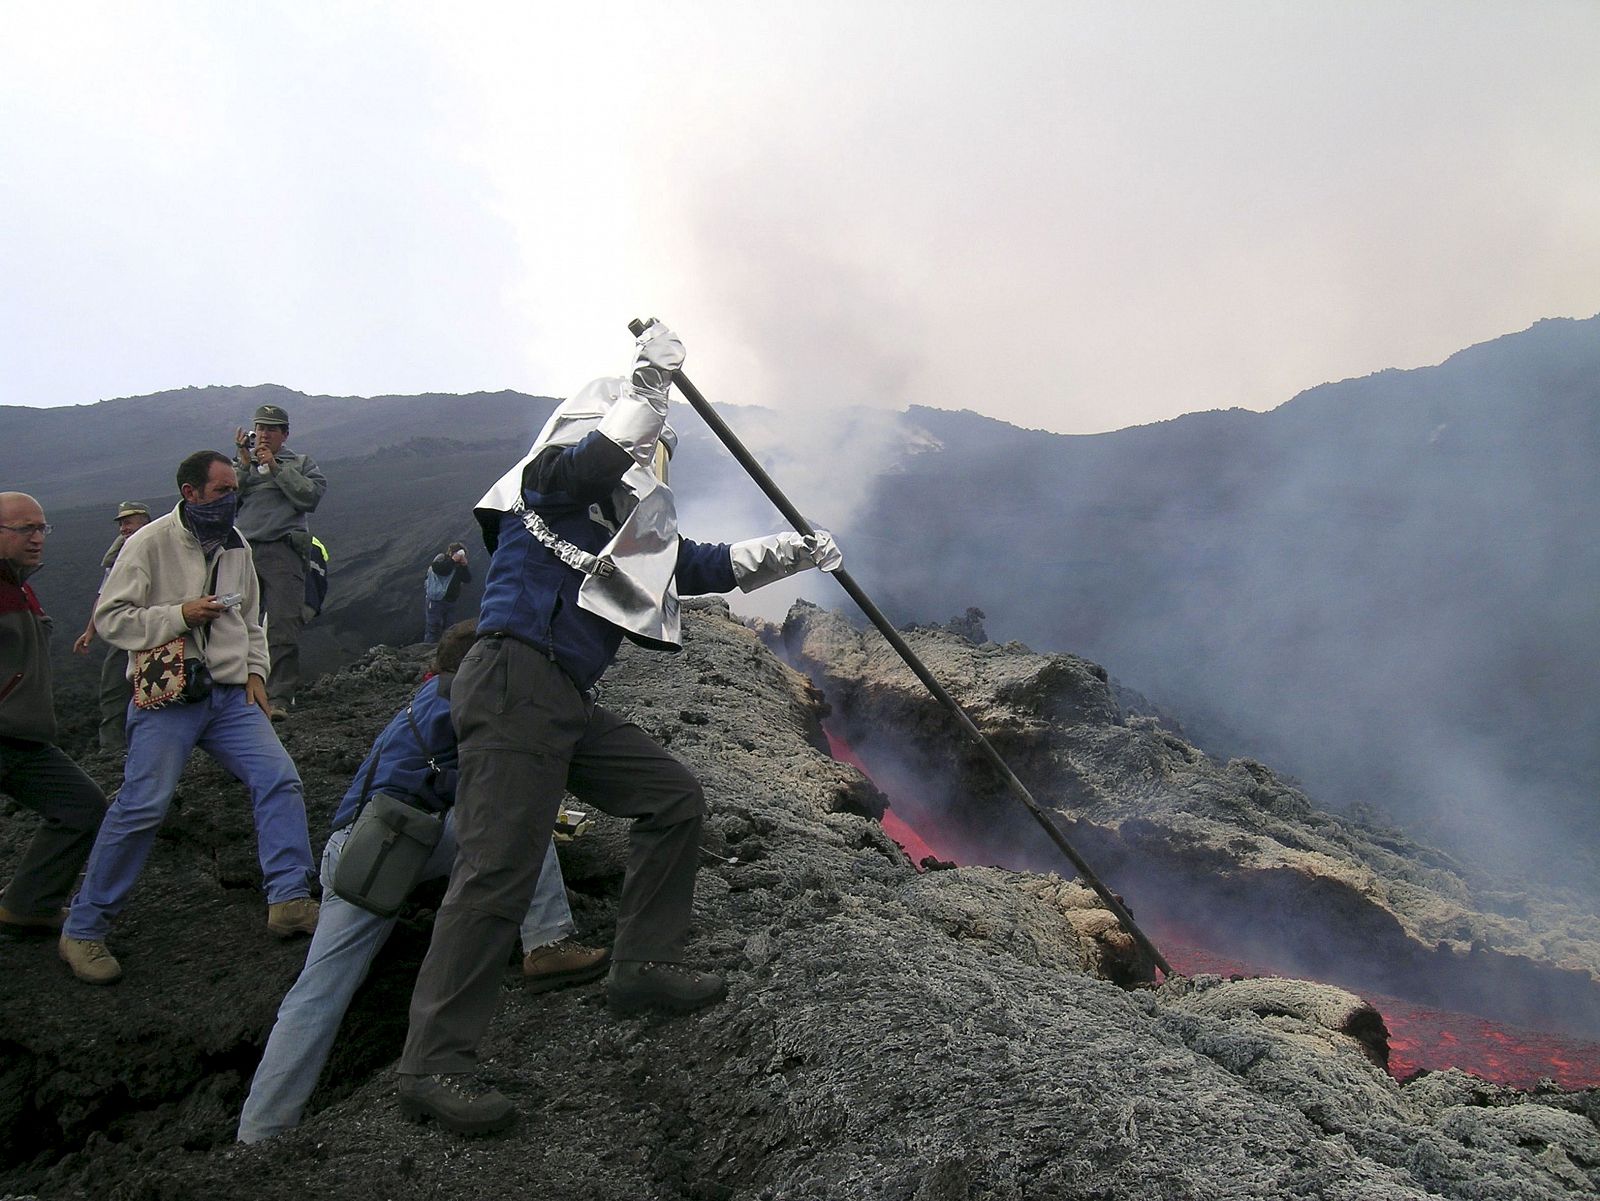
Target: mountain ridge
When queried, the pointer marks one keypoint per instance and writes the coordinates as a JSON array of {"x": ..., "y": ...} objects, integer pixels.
[{"x": 1352, "y": 586}]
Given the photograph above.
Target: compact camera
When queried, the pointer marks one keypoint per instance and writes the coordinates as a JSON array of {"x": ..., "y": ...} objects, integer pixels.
[
  {"x": 231, "y": 601},
  {"x": 250, "y": 452}
]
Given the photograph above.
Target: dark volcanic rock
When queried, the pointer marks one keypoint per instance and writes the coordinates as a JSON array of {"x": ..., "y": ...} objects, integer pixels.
[{"x": 887, "y": 1034}]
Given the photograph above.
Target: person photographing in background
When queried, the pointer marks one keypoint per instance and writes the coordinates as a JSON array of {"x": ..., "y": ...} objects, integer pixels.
[
  {"x": 277, "y": 488},
  {"x": 441, "y": 585}
]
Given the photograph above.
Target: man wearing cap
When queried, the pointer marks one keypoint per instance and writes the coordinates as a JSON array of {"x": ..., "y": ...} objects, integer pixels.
[
  {"x": 33, "y": 770},
  {"x": 277, "y": 488},
  {"x": 116, "y": 690}
]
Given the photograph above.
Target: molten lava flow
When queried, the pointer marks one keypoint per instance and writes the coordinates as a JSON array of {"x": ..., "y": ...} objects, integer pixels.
[
  {"x": 1420, "y": 1038},
  {"x": 912, "y": 843},
  {"x": 1429, "y": 1039},
  {"x": 1425, "y": 1039}
]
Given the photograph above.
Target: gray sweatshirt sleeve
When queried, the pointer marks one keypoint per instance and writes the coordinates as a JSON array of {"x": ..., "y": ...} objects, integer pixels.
[{"x": 302, "y": 482}]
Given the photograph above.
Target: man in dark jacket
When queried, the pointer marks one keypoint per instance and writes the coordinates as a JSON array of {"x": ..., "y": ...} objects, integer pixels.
[
  {"x": 584, "y": 551},
  {"x": 440, "y": 588},
  {"x": 33, "y": 770}
]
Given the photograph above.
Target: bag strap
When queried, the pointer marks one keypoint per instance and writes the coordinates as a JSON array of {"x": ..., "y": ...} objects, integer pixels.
[
  {"x": 377, "y": 754},
  {"x": 433, "y": 760}
]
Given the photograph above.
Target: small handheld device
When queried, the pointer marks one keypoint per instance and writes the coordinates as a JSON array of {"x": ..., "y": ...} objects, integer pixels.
[
  {"x": 250, "y": 452},
  {"x": 231, "y": 601}
]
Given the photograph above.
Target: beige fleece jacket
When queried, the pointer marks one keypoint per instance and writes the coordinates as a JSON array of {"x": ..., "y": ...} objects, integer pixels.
[{"x": 160, "y": 567}]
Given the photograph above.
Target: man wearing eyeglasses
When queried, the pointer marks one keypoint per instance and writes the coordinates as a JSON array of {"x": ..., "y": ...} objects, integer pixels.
[{"x": 33, "y": 770}]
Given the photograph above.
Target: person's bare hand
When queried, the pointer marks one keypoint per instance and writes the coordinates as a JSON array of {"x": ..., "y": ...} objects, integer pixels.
[
  {"x": 81, "y": 645},
  {"x": 255, "y": 693},
  {"x": 202, "y": 610}
]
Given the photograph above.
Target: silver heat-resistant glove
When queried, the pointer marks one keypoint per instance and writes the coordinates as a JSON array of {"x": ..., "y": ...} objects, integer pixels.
[
  {"x": 634, "y": 422},
  {"x": 762, "y": 561},
  {"x": 658, "y": 359}
]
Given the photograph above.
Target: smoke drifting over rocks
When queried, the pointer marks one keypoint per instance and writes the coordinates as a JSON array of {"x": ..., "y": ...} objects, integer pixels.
[
  {"x": 1386, "y": 586},
  {"x": 887, "y": 1033},
  {"x": 1228, "y": 854}
]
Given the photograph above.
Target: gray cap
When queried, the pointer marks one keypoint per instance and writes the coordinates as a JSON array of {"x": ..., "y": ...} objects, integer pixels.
[
  {"x": 131, "y": 508},
  {"x": 271, "y": 415}
]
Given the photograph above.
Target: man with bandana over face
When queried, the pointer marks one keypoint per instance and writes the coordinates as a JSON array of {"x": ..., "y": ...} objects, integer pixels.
[
  {"x": 585, "y": 551},
  {"x": 189, "y": 574}
]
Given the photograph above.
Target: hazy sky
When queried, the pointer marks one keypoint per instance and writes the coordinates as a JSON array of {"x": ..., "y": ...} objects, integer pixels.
[{"x": 1079, "y": 216}]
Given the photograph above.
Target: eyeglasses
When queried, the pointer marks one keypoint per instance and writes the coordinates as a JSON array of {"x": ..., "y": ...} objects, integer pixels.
[{"x": 28, "y": 531}]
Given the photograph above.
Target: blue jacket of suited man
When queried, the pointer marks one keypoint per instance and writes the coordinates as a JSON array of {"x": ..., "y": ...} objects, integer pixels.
[{"x": 532, "y": 596}]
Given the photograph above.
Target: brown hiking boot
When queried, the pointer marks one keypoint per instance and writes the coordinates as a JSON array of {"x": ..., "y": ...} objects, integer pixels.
[
  {"x": 633, "y": 987},
  {"x": 563, "y": 964},
  {"x": 288, "y": 918},
  {"x": 458, "y": 1101},
  {"x": 23, "y": 925},
  {"x": 277, "y": 714},
  {"x": 90, "y": 961}
]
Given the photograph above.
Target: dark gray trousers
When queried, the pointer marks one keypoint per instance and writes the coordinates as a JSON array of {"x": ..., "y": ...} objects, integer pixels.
[
  {"x": 281, "y": 571},
  {"x": 116, "y": 690},
  {"x": 40, "y": 776},
  {"x": 526, "y": 735}
]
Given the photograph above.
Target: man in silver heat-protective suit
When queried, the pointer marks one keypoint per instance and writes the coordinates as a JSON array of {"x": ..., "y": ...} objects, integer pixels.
[{"x": 585, "y": 551}]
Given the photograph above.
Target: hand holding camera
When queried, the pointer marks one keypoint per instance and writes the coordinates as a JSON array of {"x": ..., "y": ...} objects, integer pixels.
[
  {"x": 251, "y": 450},
  {"x": 203, "y": 610}
]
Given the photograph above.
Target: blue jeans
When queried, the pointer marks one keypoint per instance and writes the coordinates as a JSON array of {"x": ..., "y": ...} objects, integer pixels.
[
  {"x": 436, "y": 618},
  {"x": 238, "y": 736},
  {"x": 347, "y": 940}
]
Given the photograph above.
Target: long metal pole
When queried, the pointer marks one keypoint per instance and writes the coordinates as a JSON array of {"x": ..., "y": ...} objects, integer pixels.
[{"x": 875, "y": 615}]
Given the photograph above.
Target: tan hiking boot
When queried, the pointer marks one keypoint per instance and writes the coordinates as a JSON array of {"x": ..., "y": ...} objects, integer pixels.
[
  {"x": 277, "y": 714},
  {"x": 570, "y": 824},
  {"x": 288, "y": 918},
  {"x": 90, "y": 961},
  {"x": 563, "y": 964}
]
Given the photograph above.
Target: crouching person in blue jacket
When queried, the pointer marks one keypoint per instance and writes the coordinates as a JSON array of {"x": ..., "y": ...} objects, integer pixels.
[{"x": 414, "y": 757}]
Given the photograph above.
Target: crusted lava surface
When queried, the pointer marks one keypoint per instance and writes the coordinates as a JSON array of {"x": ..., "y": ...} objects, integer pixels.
[
  {"x": 1226, "y": 855},
  {"x": 887, "y": 1034}
]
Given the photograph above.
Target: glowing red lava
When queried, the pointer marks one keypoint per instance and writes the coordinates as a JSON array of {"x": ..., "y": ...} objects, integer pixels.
[
  {"x": 1423, "y": 1038},
  {"x": 1420, "y": 1038},
  {"x": 893, "y": 824}
]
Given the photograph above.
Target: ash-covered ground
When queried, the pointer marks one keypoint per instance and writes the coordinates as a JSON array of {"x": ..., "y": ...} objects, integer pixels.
[{"x": 888, "y": 1034}]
